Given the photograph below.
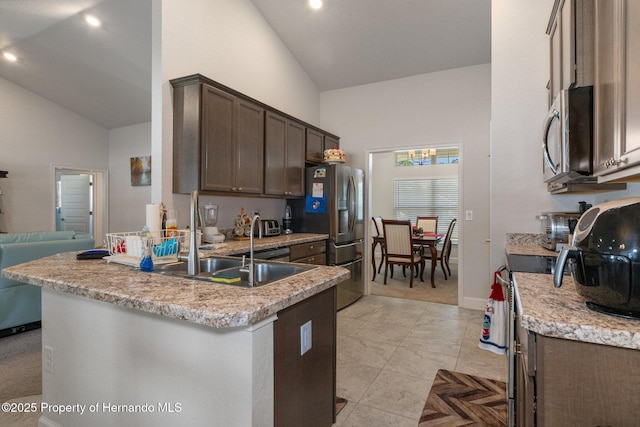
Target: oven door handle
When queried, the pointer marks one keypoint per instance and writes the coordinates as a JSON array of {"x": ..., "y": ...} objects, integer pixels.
[{"x": 502, "y": 282}]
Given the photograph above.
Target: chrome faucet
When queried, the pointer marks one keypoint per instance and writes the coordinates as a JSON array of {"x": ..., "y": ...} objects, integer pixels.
[
  {"x": 251, "y": 267},
  {"x": 193, "y": 261}
]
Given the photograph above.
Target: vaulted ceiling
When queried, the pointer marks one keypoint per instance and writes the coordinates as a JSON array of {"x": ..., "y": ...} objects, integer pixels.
[{"x": 105, "y": 74}]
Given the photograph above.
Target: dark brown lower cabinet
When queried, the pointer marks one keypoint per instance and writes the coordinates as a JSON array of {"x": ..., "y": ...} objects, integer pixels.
[
  {"x": 575, "y": 383},
  {"x": 305, "y": 385}
]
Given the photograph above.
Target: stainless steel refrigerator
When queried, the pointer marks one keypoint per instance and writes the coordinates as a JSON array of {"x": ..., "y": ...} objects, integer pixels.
[{"x": 334, "y": 205}]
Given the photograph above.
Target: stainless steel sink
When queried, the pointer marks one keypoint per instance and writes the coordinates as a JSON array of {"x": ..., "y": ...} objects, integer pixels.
[
  {"x": 211, "y": 269},
  {"x": 207, "y": 265}
]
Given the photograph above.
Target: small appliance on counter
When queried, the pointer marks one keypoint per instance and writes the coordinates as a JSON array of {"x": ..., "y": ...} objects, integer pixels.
[
  {"x": 604, "y": 259},
  {"x": 556, "y": 227},
  {"x": 286, "y": 221},
  {"x": 269, "y": 228},
  {"x": 209, "y": 219}
]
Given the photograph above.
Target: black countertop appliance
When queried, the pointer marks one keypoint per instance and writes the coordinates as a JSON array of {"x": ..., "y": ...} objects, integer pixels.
[{"x": 604, "y": 259}]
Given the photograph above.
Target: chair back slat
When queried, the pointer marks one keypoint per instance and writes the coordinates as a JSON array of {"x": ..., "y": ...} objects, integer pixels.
[
  {"x": 397, "y": 236},
  {"x": 429, "y": 224}
]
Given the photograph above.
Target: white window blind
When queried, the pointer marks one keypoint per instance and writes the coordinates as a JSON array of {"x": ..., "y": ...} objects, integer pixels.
[{"x": 427, "y": 197}]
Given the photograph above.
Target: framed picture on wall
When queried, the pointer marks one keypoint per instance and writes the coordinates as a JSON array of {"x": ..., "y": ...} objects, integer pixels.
[{"x": 140, "y": 171}]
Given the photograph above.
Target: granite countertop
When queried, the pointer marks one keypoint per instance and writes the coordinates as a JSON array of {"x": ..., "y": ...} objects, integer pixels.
[
  {"x": 520, "y": 249},
  {"x": 235, "y": 247},
  {"x": 562, "y": 313},
  {"x": 205, "y": 303}
]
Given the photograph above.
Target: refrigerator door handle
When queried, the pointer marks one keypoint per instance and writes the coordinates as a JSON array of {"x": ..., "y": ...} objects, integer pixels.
[{"x": 351, "y": 200}]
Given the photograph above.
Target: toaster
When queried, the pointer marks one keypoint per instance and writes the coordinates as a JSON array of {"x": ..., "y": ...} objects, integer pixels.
[
  {"x": 269, "y": 227},
  {"x": 555, "y": 228}
]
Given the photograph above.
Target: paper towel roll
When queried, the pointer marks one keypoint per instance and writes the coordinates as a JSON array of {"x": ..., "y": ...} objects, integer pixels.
[{"x": 154, "y": 220}]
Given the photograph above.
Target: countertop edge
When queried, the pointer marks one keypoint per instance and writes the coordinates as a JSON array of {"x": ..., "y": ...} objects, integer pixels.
[{"x": 210, "y": 304}]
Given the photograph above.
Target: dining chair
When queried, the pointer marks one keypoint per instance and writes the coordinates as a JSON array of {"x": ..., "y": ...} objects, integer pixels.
[
  {"x": 399, "y": 249},
  {"x": 377, "y": 223},
  {"x": 429, "y": 224},
  {"x": 445, "y": 252}
]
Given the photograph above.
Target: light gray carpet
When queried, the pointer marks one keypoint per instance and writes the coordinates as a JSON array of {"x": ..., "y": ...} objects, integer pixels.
[
  {"x": 445, "y": 292},
  {"x": 21, "y": 365}
]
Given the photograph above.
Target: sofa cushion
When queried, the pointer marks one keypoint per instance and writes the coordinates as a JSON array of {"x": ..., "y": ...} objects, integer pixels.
[{"x": 36, "y": 236}]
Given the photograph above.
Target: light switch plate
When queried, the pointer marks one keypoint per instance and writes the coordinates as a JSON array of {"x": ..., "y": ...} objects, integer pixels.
[
  {"x": 305, "y": 338},
  {"x": 469, "y": 215}
]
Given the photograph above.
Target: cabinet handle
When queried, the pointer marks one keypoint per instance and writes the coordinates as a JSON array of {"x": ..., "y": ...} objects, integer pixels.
[
  {"x": 613, "y": 162},
  {"x": 239, "y": 188},
  {"x": 234, "y": 189},
  {"x": 310, "y": 246}
]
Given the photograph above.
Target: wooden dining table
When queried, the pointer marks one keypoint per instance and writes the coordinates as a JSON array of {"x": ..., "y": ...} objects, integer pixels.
[{"x": 428, "y": 240}]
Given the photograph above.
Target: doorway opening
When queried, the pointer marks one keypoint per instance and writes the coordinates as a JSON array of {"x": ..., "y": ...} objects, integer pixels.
[
  {"x": 80, "y": 201},
  {"x": 434, "y": 174}
]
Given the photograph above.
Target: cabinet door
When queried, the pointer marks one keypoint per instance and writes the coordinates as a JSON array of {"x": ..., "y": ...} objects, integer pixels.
[
  {"x": 249, "y": 164},
  {"x": 631, "y": 143},
  {"x": 294, "y": 169},
  {"x": 218, "y": 150},
  {"x": 315, "y": 146},
  {"x": 330, "y": 142},
  {"x": 305, "y": 385},
  {"x": 555, "y": 59},
  {"x": 607, "y": 89},
  {"x": 568, "y": 31},
  {"x": 275, "y": 154},
  {"x": 585, "y": 384}
]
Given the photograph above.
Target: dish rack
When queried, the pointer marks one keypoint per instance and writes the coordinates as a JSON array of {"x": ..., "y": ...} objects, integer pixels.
[{"x": 127, "y": 247}]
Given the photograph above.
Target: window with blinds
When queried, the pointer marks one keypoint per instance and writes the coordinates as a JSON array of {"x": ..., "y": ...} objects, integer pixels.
[{"x": 427, "y": 197}]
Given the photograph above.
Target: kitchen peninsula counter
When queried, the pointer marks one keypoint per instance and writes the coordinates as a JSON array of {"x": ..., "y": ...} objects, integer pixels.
[
  {"x": 205, "y": 303},
  {"x": 194, "y": 352}
]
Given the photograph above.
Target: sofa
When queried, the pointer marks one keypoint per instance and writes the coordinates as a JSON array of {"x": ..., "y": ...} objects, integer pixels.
[{"x": 20, "y": 303}]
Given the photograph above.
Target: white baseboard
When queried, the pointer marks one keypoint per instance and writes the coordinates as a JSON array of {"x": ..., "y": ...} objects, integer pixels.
[{"x": 474, "y": 303}]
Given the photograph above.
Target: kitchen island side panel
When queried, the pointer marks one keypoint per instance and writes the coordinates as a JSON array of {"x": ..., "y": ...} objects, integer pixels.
[{"x": 190, "y": 374}]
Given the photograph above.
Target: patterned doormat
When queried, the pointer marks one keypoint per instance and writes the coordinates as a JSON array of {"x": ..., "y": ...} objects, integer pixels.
[
  {"x": 459, "y": 399},
  {"x": 340, "y": 404}
]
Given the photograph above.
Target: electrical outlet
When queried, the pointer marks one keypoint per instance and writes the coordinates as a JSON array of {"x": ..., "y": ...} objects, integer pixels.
[
  {"x": 469, "y": 215},
  {"x": 48, "y": 359},
  {"x": 305, "y": 338}
]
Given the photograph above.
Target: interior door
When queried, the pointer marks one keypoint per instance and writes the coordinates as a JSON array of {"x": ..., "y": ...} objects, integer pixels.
[{"x": 75, "y": 202}]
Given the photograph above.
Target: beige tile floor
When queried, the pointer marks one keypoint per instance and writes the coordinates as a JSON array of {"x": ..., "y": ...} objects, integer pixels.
[{"x": 389, "y": 350}]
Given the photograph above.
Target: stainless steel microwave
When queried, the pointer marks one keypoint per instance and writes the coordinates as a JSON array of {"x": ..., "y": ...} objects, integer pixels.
[{"x": 567, "y": 146}]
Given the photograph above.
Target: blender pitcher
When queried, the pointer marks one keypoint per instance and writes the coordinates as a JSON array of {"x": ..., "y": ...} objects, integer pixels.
[{"x": 208, "y": 220}]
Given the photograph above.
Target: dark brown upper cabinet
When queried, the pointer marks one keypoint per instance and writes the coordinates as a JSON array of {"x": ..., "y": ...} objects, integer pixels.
[
  {"x": 317, "y": 142},
  {"x": 284, "y": 156},
  {"x": 218, "y": 141},
  {"x": 226, "y": 142}
]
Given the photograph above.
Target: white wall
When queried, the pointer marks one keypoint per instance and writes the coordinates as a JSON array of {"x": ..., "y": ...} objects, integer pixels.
[
  {"x": 431, "y": 109},
  {"x": 519, "y": 75},
  {"x": 127, "y": 203},
  {"x": 229, "y": 42},
  {"x": 36, "y": 135}
]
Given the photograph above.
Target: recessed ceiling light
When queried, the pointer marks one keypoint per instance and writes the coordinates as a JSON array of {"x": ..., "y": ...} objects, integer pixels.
[
  {"x": 9, "y": 56},
  {"x": 92, "y": 20},
  {"x": 315, "y": 4}
]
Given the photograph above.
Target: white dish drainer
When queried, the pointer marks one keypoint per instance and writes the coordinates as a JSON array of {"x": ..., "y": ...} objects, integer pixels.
[{"x": 127, "y": 248}]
